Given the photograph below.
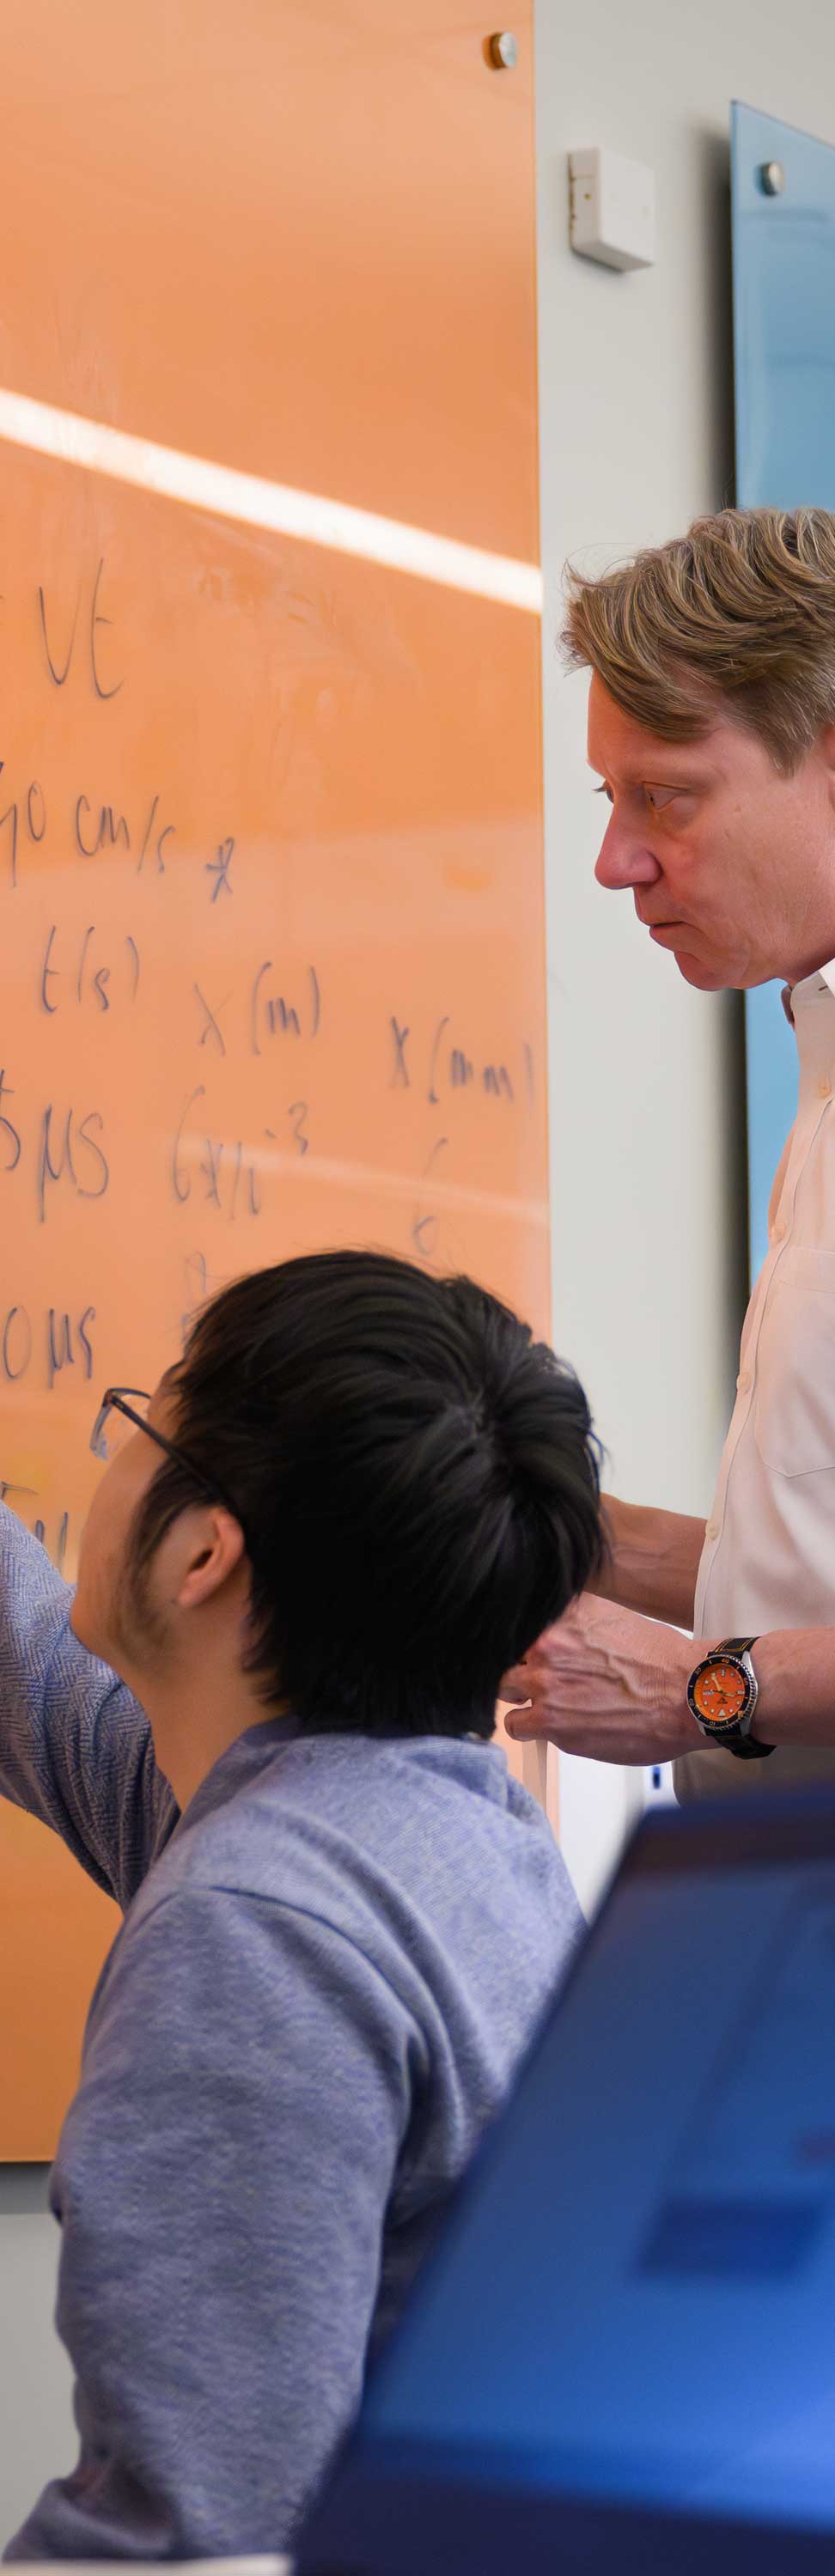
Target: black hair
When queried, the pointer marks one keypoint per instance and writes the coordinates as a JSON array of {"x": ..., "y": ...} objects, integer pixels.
[{"x": 416, "y": 1479}]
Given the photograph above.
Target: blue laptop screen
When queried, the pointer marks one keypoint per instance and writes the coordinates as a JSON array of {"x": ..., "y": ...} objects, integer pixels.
[{"x": 635, "y": 2297}]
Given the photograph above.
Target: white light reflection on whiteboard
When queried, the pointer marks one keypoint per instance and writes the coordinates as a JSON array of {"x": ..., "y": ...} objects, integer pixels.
[
  {"x": 368, "y": 1176},
  {"x": 253, "y": 500}
]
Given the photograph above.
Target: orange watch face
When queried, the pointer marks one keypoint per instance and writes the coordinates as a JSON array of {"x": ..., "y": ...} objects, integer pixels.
[{"x": 720, "y": 1693}]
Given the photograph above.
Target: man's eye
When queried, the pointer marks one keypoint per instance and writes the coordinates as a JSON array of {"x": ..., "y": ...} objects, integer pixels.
[
  {"x": 603, "y": 790},
  {"x": 659, "y": 797}
]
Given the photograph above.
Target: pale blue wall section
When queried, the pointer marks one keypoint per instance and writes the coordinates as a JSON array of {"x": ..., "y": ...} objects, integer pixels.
[
  {"x": 784, "y": 358},
  {"x": 771, "y": 1084}
]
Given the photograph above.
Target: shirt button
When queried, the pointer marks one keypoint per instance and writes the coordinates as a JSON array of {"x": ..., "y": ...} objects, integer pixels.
[
  {"x": 825, "y": 1089},
  {"x": 711, "y": 1530},
  {"x": 744, "y": 1381}
]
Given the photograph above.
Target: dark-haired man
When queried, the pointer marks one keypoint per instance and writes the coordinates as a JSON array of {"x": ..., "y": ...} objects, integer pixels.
[
  {"x": 361, "y": 1493},
  {"x": 712, "y": 731}
]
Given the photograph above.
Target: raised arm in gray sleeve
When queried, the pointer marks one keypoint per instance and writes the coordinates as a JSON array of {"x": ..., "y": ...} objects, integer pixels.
[{"x": 75, "y": 1746}]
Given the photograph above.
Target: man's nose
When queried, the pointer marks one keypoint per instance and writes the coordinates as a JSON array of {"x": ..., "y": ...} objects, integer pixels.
[{"x": 624, "y": 859}]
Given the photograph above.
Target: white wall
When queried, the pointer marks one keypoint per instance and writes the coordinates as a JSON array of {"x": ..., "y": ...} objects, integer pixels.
[
  {"x": 636, "y": 438},
  {"x": 37, "y": 2434}
]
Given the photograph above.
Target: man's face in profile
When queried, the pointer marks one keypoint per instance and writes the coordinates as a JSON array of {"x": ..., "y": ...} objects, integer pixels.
[{"x": 731, "y": 864}]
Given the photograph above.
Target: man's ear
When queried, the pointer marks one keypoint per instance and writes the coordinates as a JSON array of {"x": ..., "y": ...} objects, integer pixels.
[
  {"x": 211, "y": 1550},
  {"x": 826, "y": 742}
]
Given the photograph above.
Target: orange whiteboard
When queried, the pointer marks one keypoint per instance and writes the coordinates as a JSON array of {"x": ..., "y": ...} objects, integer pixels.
[{"x": 271, "y": 900}]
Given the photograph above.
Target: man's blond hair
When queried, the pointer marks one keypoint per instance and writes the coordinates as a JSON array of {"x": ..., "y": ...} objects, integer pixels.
[{"x": 738, "y": 615}]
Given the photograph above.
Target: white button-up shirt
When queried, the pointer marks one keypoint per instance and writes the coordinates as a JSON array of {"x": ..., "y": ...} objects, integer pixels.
[{"x": 769, "y": 1554}]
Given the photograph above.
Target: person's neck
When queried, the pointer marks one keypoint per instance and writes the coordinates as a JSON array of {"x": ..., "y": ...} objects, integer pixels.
[
  {"x": 194, "y": 1717},
  {"x": 811, "y": 958}
]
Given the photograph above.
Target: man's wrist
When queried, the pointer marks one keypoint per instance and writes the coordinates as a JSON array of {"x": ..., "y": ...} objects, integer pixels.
[
  {"x": 686, "y": 1733},
  {"x": 778, "y": 1716}
]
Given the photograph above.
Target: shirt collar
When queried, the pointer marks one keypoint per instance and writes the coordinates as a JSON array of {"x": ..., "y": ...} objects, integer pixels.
[{"x": 826, "y": 975}]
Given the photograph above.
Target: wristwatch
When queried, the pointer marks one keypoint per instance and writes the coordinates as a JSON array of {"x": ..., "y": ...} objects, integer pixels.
[{"x": 722, "y": 1697}]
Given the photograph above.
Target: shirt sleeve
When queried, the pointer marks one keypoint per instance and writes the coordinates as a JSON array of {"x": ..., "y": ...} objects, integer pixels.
[
  {"x": 75, "y": 1747},
  {"x": 222, "y": 2184}
]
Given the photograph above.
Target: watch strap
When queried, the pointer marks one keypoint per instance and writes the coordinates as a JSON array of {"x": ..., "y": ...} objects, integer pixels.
[{"x": 746, "y": 1748}]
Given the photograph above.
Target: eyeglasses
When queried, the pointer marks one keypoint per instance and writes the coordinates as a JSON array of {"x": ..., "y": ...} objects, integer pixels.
[{"x": 115, "y": 1423}]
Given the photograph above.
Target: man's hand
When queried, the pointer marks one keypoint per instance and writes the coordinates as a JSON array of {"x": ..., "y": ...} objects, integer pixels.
[{"x": 607, "y": 1683}]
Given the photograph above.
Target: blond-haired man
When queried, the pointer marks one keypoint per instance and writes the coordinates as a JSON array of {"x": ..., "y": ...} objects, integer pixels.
[{"x": 712, "y": 727}]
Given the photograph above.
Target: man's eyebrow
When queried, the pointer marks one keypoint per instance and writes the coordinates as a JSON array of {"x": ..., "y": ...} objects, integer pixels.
[{"x": 657, "y": 775}]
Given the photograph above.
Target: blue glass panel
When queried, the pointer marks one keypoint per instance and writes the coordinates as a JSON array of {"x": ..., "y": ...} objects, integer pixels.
[{"x": 784, "y": 349}]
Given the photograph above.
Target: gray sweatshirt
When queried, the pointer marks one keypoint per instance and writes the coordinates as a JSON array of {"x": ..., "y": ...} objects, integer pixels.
[{"x": 328, "y": 1969}]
